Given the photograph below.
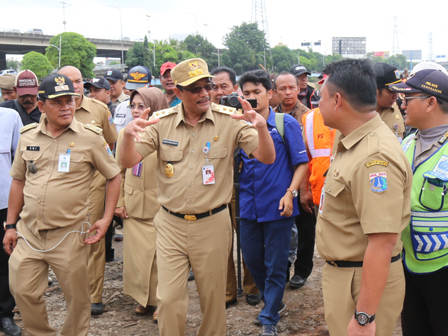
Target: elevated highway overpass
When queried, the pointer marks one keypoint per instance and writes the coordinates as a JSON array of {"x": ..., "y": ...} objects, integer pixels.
[{"x": 21, "y": 43}]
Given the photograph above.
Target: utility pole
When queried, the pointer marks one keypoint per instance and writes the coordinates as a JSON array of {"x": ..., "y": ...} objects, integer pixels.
[
  {"x": 153, "y": 44},
  {"x": 121, "y": 35},
  {"x": 64, "y": 4},
  {"x": 59, "y": 49},
  {"x": 196, "y": 22},
  {"x": 206, "y": 25}
]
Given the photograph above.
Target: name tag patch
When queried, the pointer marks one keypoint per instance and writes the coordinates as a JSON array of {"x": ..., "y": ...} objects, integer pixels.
[
  {"x": 377, "y": 162},
  {"x": 33, "y": 148},
  {"x": 378, "y": 182},
  {"x": 120, "y": 115},
  {"x": 170, "y": 142}
]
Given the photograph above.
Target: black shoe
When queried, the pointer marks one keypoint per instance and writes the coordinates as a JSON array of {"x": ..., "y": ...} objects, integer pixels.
[
  {"x": 253, "y": 299},
  {"x": 297, "y": 282},
  {"x": 97, "y": 308},
  {"x": 191, "y": 276},
  {"x": 288, "y": 272},
  {"x": 281, "y": 309},
  {"x": 9, "y": 327},
  {"x": 269, "y": 330},
  {"x": 231, "y": 303}
]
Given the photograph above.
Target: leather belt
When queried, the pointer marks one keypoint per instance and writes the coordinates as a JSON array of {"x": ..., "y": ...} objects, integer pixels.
[
  {"x": 341, "y": 263},
  {"x": 198, "y": 216}
]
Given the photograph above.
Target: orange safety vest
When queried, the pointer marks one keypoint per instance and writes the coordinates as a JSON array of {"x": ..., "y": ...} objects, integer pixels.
[{"x": 320, "y": 140}]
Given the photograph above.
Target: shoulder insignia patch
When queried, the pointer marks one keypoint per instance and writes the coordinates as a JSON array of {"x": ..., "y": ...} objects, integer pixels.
[
  {"x": 28, "y": 127},
  {"x": 378, "y": 182},
  {"x": 377, "y": 163},
  {"x": 164, "y": 113},
  {"x": 224, "y": 109},
  {"x": 93, "y": 128}
]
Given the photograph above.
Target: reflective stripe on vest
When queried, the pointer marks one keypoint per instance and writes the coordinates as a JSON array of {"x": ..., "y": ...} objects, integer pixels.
[
  {"x": 425, "y": 239},
  {"x": 310, "y": 138}
]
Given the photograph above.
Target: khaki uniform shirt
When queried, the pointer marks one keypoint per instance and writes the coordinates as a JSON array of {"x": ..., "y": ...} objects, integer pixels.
[
  {"x": 121, "y": 98},
  {"x": 394, "y": 120},
  {"x": 354, "y": 204},
  {"x": 181, "y": 144},
  {"x": 97, "y": 113},
  {"x": 139, "y": 193},
  {"x": 298, "y": 111},
  {"x": 55, "y": 199}
]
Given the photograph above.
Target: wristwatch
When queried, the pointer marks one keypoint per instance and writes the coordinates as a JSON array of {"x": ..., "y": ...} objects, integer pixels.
[
  {"x": 364, "y": 318},
  {"x": 293, "y": 192},
  {"x": 9, "y": 226}
]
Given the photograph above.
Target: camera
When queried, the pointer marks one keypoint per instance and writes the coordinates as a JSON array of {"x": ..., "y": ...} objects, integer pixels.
[{"x": 232, "y": 101}]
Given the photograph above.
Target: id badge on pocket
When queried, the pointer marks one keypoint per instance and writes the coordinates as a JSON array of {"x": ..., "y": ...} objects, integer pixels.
[
  {"x": 208, "y": 174},
  {"x": 64, "y": 163}
]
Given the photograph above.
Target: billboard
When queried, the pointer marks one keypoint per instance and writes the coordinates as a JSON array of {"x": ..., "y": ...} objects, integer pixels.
[
  {"x": 412, "y": 54},
  {"x": 382, "y": 54},
  {"x": 349, "y": 45},
  {"x": 309, "y": 44}
]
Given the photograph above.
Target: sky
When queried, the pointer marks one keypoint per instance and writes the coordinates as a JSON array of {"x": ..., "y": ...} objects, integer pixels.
[{"x": 289, "y": 22}]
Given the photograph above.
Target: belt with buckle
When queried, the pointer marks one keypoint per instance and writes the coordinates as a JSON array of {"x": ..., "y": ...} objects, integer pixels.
[
  {"x": 198, "y": 216},
  {"x": 342, "y": 263}
]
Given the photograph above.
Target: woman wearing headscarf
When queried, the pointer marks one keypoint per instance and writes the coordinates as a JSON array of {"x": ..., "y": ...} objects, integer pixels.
[{"x": 138, "y": 206}]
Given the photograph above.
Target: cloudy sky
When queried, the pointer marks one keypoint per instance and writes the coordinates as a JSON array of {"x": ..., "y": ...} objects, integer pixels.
[{"x": 290, "y": 22}]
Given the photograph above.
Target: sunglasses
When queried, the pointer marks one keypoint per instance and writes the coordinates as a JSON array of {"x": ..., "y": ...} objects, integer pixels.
[{"x": 198, "y": 89}]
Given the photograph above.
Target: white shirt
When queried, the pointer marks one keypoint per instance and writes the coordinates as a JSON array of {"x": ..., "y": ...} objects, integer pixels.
[
  {"x": 123, "y": 115},
  {"x": 10, "y": 124}
]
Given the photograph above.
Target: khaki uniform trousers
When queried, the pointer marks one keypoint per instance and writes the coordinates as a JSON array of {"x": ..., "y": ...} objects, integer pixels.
[
  {"x": 140, "y": 261},
  {"x": 341, "y": 287},
  {"x": 28, "y": 279},
  {"x": 97, "y": 256},
  {"x": 248, "y": 283},
  {"x": 205, "y": 245}
]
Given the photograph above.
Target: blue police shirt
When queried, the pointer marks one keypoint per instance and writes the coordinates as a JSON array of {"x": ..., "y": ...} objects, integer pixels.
[{"x": 262, "y": 185}]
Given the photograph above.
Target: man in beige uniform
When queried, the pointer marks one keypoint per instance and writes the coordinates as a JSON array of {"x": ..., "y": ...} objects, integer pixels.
[
  {"x": 51, "y": 173},
  {"x": 195, "y": 141},
  {"x": 386, "y": 106},
  {"x": 93, "y": 112},
  {"x": 364, "y": 207}
]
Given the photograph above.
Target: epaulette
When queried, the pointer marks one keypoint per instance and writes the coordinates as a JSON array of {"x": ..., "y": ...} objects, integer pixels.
[
  {"x": 96, "y": 101},
  {"x": 224, "y": 109},
  {"x": 28, "y": 127},
  {"x": 165, "y": 112},
  {"x": 93, "y": 128}
]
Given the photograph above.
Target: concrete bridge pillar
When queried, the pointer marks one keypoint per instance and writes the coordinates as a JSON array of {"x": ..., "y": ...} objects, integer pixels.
[{"x": 2, "y": 60}]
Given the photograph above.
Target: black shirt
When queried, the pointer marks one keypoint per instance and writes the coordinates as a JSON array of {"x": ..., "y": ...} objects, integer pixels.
[{"x": 27, "y": 118}]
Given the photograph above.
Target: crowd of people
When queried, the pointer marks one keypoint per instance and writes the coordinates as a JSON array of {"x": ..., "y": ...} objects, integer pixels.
[{"x": 355, "y": 164}]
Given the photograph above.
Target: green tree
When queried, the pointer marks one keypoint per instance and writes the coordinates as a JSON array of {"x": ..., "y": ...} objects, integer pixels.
[
  {"x": 283, "y": 58},
  {"x": 13, "y": 63},
  {"x": 134, "y": 56},
  {"x": 202, "y": 48},
  {"x": 249, "y": 34},
  {"x": 37, "y": 63},
  {"x": 398, "y": 61},
  {"x": 75, "y": 51}
]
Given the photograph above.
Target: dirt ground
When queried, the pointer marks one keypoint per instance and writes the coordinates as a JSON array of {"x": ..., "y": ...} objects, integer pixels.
[{"x": 304, "y": 315}]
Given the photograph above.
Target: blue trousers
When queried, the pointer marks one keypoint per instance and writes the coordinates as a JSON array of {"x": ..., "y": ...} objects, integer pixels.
[{"x": 265, "y": 248}]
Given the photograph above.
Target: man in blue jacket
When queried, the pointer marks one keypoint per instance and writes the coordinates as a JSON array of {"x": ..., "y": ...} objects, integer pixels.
[{"x": 267, "y": 195}]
